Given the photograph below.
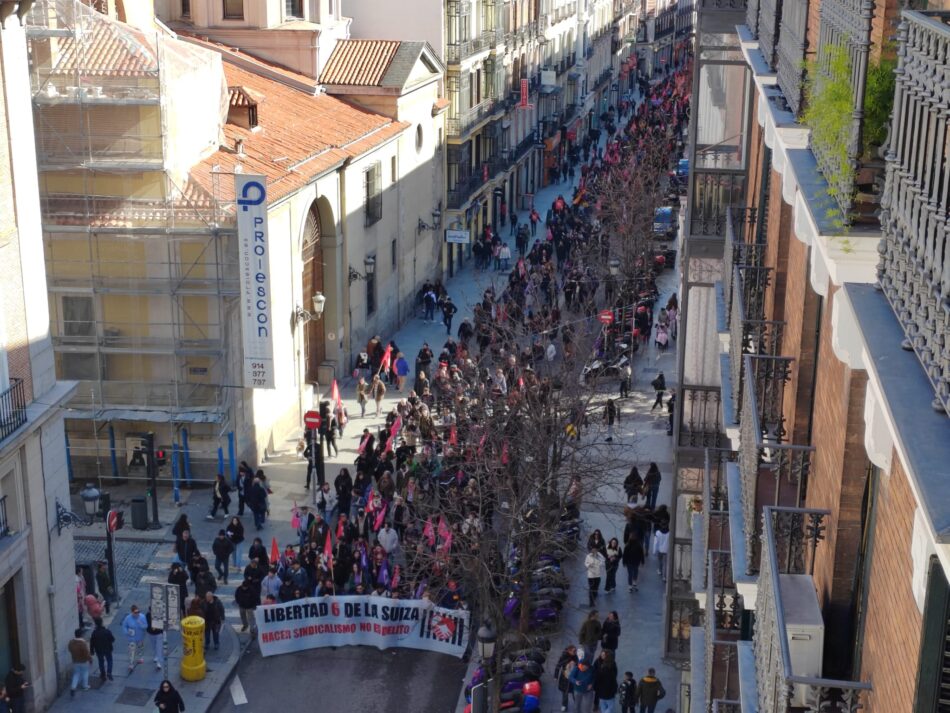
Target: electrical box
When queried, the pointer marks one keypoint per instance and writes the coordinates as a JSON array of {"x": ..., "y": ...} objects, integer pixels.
[{"x": 805, "y": 629}]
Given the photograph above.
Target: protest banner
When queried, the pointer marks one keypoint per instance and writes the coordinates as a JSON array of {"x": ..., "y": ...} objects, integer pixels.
[{"x": 361, "y": 621}]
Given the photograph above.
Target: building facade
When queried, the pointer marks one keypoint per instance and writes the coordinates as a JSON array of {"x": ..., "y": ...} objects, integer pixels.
[
  {"x": 37, "y": 583},
  {"x": 812, "y": 435},
  {"x": 525, "y": 79}
]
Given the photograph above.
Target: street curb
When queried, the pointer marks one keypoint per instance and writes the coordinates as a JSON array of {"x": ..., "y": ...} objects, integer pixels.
[{"x": 226, "y": 681}]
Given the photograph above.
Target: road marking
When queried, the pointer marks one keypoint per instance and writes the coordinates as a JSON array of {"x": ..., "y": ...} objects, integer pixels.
[{"x": 237, "y": 692}]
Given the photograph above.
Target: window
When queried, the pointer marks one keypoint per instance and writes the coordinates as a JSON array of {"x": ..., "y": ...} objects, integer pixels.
[
  {"x": 79, "y": 319},
  {"x": 392, "y": 169},
  {"x": 293, "y": 8},
  {"x": 186, "y": 8},
  {"x": 79, "y": 366},
  {"x": 392, "y": 253},
  {"x": 373, "y": 193},
  {"x": 233, "y": 9},
  {"x": 370, "y": 294},
  {"x": 418, "y": 137}
]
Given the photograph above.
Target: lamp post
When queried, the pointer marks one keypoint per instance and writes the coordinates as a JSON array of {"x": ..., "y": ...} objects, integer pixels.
[
  {"x": 614, "y": 266},
  {"x": 486, "y": 637}
]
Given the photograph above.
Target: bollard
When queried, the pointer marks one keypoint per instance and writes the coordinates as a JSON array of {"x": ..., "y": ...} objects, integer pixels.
[{"x": 193, "y": 667}]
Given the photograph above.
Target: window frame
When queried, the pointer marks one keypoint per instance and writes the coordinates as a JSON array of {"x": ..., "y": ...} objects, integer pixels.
[
  {"x": 231, "y": 16},
  {"x": 373, "y": 194},
  {"x": 371, "y": 293}
]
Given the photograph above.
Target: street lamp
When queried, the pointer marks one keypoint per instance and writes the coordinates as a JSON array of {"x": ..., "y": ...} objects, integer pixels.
[
  {"x": 486, "y": 640},
  {"x": 319, "y": 302},
  {"x": 369, "y": 265},
  {"x": 90, "y": 499},
  {"x": 614, "y": 266}
]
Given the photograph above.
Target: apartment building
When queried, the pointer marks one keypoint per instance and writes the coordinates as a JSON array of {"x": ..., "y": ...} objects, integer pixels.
[
  {"x": 812, "y": 441},
  {"x": 525, "y": 79},
  {"x": 37, "y": 585}
]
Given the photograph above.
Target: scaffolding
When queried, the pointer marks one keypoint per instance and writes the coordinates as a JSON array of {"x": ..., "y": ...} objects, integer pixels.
[{"x": 141, "y": 258}]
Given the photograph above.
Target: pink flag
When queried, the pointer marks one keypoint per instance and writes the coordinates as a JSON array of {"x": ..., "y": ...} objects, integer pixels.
[
  {"x": 387, "y": 358},
  {"x": 428, "y": 532},
  {"x": 504, "y": 453},
  {"x": 443, "y": 528},
  {"x": 369, "y": 503},
  {"x": 380, "y": 517},
  {"x": 397, "y": 426},
  {"x": 453, "y": 436}
]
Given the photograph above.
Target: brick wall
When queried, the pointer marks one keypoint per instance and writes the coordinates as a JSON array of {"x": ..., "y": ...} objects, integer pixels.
[
  {"x": 756, "y": 147},
  {"x": 883, "y": 26},
  {"x": 812, "y": 28},
  {"x": 837, "y": 483},
  {"x": 893, "y": 625},
  {"x": 778, "y": 226}
]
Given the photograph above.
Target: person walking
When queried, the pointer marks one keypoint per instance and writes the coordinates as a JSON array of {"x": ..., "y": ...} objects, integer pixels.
[
  {"x": 223, "y": 548},
  {"x": 378, "y": 390},
  {"x": 611, "y": 631},
  {"x": 221, "y": 497},
  {"x": 186, "y": 549},
  {"x": 670, "y": 410},
  {"x": 402, "y": 371},
  {"x": 104, "y": 585},
  {"x": 514, "y": 224},
  {"x": 535, "y": 219},
  {"x": 235, "y": 533},
  {"x": 248, "y": 598},
  {"x": 562, "y": 673},
  {"x": 611, "y": 415},
  {"x": 167, "y": 699},
  {"x": 659, "y": 387},
  {"x": 632, "y": 558},
  {"x": 257, "y": 502},
  {"x": 590, "y": 634},
  {"x": 627, "y": 693},
  {"x": 582, "y": 683},
  {"x": 649, "y": 691},
  {"x": 155, "y": 635},
  {"x": 661, "y": 547},
  {"x": 81, "y": 658},
  {"x": 179, "y": 576},
  {"x": 16, "y": 684},
  {"x": 448, "y": 312},
  {"x": 594, "y": 564},
  {"x": 651, "y": 485},
  {"x": 362, "y": 395},
  {"x": 135, "y": 625},
  {"x": 212, "y": 610},
  {"x": 614, "y": 554},
  {"x": 605, "y": 681},
  {"x": 101, "y": 644}
]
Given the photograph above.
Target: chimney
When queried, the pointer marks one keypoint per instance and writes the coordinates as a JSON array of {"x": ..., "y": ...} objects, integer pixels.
[{"x": 239, "y": 147}]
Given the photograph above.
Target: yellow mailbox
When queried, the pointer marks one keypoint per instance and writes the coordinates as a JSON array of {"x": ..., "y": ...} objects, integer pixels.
[{"x": 193, "y": 666}]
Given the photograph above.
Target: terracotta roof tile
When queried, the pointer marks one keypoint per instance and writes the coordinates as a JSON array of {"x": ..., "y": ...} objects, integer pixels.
[
  {"x": 298, "y": 137},
  {"x": 359, "y": 62},
  {"x": 106, "y": 48}
]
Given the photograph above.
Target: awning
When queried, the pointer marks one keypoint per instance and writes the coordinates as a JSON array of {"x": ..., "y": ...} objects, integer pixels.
[{"x": 146, "y": 415}]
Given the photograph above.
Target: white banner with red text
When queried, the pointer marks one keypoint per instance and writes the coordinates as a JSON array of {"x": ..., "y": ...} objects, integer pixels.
[{"x": 361, "y": 621}]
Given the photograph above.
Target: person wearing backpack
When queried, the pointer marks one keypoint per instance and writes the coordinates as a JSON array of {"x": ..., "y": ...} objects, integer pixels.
[
  {"x": 562, "y": 673},
  {"x": 582, "y": 684},
  {"x": 649, "y": 691},
  {"x": 659, "y": 386},
  {"x": 627, "y": 693}
]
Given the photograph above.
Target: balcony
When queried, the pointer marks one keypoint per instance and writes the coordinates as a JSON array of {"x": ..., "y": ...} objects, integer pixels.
[
  {"x": 700, "y": 419},
  {"x": 770, "y": 13},
  {"x": 785, "y": 684},
  {"x": 455, "y": 52},
  {"x": 458, "y": 127},
  {"x": 711, "y": 527},
  {"x": 790, "y": 53},
  {"x": 915, "y": 206},
  {"x": 721, "y": 638},
  {"x": 458, "y": 8},
  {"x": 170, "y": 396},
  {"x": 464, "y": 188},
  {"x": 12, "y": 409},
  {"x": 771, "y": 473}
]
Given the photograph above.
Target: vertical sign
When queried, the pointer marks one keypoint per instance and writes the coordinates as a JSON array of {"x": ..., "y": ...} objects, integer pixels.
[
  {"x": 256, "y": 289},
  {"x": 524, "y": 92}
]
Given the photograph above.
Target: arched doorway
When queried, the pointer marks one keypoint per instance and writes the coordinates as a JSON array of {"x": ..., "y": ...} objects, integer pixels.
[{"x": 315, "y": 348}]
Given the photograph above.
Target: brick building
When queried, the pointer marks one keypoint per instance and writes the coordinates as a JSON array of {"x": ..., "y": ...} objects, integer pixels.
[{"x": 812, "y": 440}]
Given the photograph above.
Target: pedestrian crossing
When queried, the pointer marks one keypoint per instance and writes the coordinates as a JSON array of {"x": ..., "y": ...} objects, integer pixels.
[{"x": 161, "y": 564}]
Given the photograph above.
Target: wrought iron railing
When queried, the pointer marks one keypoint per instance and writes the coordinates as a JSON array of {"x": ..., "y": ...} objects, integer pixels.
[
  {"x": 459, "y": 126},
  {"x": 683, "y": 614},
  {"x": 790, "y": 538},
  {"x": 914, "y": 270},
  {"x": 701, "y": 420},
  {"x": 748, "y": 333},
  {"x": 723, "y": 602},
  {"x": 715, "y": 529},
  {"x": 752, "y": 17},
  {"x": 12, "y": 408},
  {"x": 4, "y": 523},
  {"x": 791, "y": 52},
  {"x": 721, "y": 660},
  {"x": 715, "y": 194},
  {"x": 770, "y": 13},
  {"x": 459, "y": 194},
  {"x": 768, "y": 376}
]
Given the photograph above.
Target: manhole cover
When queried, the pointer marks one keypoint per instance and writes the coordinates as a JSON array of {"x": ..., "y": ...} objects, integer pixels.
[{"x": 135, "y": 696}]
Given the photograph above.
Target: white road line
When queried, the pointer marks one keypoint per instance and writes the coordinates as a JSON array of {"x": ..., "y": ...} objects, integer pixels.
[{"x": 237, "y": 692}]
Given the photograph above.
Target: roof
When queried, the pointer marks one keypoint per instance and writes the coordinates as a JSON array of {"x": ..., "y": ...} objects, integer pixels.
[
  {"x": 105, "y": 48},
  {"x": 359, "y": 62},
  {"x": 299, "y": 136}
]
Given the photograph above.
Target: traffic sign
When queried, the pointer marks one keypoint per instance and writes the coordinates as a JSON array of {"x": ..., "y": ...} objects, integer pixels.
[
  {"x": 605, "y": 316},
  {"x": 112, "y": 520},
  {"x": 311, "y": 419}
]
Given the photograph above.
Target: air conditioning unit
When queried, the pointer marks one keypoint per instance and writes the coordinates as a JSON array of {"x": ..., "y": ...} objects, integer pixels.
[{"x": 805, "y": 629}]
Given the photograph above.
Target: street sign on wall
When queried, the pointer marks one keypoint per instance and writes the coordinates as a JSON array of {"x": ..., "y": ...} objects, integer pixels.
[
  {"x": 460, "y": 237},
  {"x": 257, "y": 324}
]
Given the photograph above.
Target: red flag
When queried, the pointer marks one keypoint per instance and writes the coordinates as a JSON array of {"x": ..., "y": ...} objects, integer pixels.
[
  {"x": 389, "y": 442},
  {"x": 327, "y": 546},
  {"x": 387, "y": 358},
  {"x": 369, "y": 503},
  {"x": 395, "y": 580},
  {"x": 274, "y": 550},
  {"x": 397, "y": 426},
  {"x": 339, "y": 528},
  {"x": 428, "y": 532},
  {"x": 453, "y": 436},
  {"x": 338, "y": 402},
  {"x": 380, "y": 517}
]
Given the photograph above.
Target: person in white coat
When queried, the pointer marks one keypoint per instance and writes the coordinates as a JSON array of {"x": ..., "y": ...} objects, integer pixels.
[
  {"x": 594, "y": 563},
  {"x": 661, "y": 546}
]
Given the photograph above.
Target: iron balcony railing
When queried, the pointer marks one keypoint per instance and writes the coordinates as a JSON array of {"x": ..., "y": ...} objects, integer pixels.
[
  {"x": 722, "y": 632},
  {"x": 458, "y": 195},
  {"x": 790, "y": 52},
  {"x": 12, "y": 408},
  {"x": 714, "y": 533},
  {"x": 914, "y": 270},
  {"x": 772, "y": 473},
  {"x": 770, "y": 14},
  {"x": 459, "y": 126},
  {"x": 701, "y": 417},
  {"x": 715, "y": 194},
  {"x": 458, "y": 8},
  {"x": 455, "y": 52},
  {"x": 790, "y": 539}
]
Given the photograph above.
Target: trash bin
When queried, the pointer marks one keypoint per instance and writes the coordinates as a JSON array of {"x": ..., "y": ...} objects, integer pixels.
[
  {"x": 193, "y": 665},
  {"x": 139, "y": 513}
]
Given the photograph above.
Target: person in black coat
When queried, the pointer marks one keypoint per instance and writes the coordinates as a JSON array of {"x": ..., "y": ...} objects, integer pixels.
[
  {"x": 562, "y": 672},
  {"x": 235, "y": 533},
  {"x": 222, "y": 548},
  {"x": 605, "y": 677},
  {"x": 258, "y": 551},
  {"x": 256, "y": 499},
  {"x": 212, "y": 611},
  {"x": 343, "y": 484},
  {"x": 168, "y": 699},
  {"x": 180, "y": 577},
  {"x": 611, "y": 632},
  {"x": 186, "y": 548},
  {"x": 248, "y": 597},
  {"x": 101, "y": 644},
  {"x": 220, "y": 496}
]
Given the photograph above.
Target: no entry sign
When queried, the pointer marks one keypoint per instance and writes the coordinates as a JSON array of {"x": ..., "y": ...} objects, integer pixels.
[
  {"x": 311, "y": 420},
  {"x": 605, "y": 316}
]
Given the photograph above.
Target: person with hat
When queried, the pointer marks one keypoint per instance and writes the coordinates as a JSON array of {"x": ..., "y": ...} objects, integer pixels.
[{"x": 581, "y": 679}]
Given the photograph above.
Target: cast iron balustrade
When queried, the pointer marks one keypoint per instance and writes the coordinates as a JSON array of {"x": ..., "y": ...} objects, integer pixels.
[
  {"x": 791, "y": 52},
  {"x": 914, "y": 270},
  {"x": 459, "y": 126},
  {"x": 466, "y": 185},
  {"x": 701, "y": 422},
  {"x": 722, "y": 631},
  {"x": 458, "y": 8},
  {"x": 715, "y": 194},
  {"x": 714, "y": 535},
  {"x": 12, "y": 408},
  {"x": 684, "y": 613},
  {"x": 790, "y": 537},
  {"x": 845, "y": 24},
  {"x": 771, "y": 472},
  {"x": 770, "y": 13}
]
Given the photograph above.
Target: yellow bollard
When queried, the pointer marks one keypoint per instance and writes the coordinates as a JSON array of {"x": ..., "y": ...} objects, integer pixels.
[{"x": 193, "y": 666}]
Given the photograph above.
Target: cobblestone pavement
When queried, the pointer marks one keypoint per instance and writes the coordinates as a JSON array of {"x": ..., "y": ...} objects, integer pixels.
[{"x": 131, "y": 559}]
